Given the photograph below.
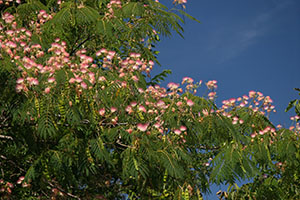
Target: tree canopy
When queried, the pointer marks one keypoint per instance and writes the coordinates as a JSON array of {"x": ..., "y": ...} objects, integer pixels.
[{"x": 81, "y": 116}]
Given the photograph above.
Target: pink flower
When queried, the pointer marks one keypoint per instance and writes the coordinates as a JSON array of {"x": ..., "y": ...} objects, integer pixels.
[
  {"x": 102, "y": 112},
  {"x": 187, "y": 80},
  {"x": 112, "y": 53},
  {"x": 78, "y": 79},
  {"x": 135, "y": 78},
  {"x": 129, "y": 109},
  {"x": 161, "y": 104},
  {"x": 182, "y": 128},
  {"x": 20, "y": 80},
  {"x": 142, "y": 108},
  {"x": 142, "y": 127},
  {"x": 72, "y": 80},
  {"x": 252, "y": 94},
  {"x": 173, "y": 86},
  {"x": 113, "y": 109},
  {"x": 179, "y": 103},
  {"x": 103, "y": 50},
  {"x": 51, "y": 80},
  {"x": 157, "y": 125},
  {"x": 242, "y": 104},
  {"x": 47, "y": 90},
  {"x": 151, "y": 63},
  {"x": 34, "y": 81},
  {"x": 129, "y": 130},
  {"x": 212, "y": 95},
  {"x": 102, "y": 78},
  {"x": 83, "y": 85},
  {"x": 21, "y": 178},
  {"x": 189, "y": 102},
  {"x": 177, "y": 131},
  {"x": 212, "y": 84},
  {"x": 133, "y": 104},
  {"x": 205, "y": 112},
  {"x": 19, "y": 87}
]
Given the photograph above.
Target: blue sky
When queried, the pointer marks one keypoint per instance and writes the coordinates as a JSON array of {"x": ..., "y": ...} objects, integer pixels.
[{"x": 244, "y": 45}]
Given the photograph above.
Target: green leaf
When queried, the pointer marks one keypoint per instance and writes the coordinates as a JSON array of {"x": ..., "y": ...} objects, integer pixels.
[
  {"x": 291, "y": 104},
  {"x": 104, "y": 27},
  {"x": 133, "y": 9},
  {"x": 189, "y": 16}
]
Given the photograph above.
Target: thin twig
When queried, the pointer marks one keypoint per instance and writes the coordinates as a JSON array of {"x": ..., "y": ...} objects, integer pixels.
[
  {"x": 62, "y": 190},
  {"x": 6, "y": 137},
  {"x": 124, "y": 145}
]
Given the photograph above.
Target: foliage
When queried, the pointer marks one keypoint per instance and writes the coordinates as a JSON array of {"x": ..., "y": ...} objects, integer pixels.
[
  {"x": 80, "y": 120},
  {"x": 294, "y": 103}
]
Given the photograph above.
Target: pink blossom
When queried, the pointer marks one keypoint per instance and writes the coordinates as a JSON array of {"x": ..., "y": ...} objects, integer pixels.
[
  {"x": 205, "y": 112},
  {"x": 253, "y": 135},
  {"x": 190, "y": 102},
  {"x": 102, "y": 112},
  {"x": 140, "y": 90},
  {"x": 47, "y": 90},
  {"x": 212, "y": 95},
  {"x": 72, "y": 80},
  {"x": 142, "y": 108},
  {"x": 113, "y": 109},
  {"x": 173, "y": 86},
  {"x": 83, "y": 85},
  {"x": 161, "y": 104},
  {"x": 33, "y": 81},
  {"x": 157, "y": 125},
  {"x": 51, "y": 80},
  {"x": 133, "y": 104},
  {"x": 20, "y": 80},
  {"x": 129, "y": 109},
  {"x": 129, "y": 130},
  {"x": 78, "y": 80},
  {"x": 212, "y": 84},
  {"x": 187, "y": 80},
  {"x": 252, "y": 94},
  {"x": 103, "y": 50},
  {"x": 19, "y": 87},
  {"x": 179, "y": 103},
  {"x": 151, "y": 63},
  {"x": 135, "y": 78},
  {"x": 102, "y": 78},
  {"x": 142, "y": 127},
  {"x": 21, "y": 178},
  {"x": 182, "y": 128},
  {"x": 177, "y": 131}
]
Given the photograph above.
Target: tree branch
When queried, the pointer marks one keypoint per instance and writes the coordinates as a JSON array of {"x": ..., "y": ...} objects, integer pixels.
[
  {"x": 65, "y": 192},
  {"x": 6, "y": 137}
]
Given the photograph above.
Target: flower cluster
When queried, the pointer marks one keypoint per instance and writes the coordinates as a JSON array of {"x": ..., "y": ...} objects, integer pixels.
[
  {"x": 42, "y": 18},
  {"x": 113, "y": 4},
  {"x": 7, "y": 187},
  {"x": 8, "y": 2},
  {"x": 86, "y": 72},
  {"x": 180, "y": 1},
  {"x": 256, "y": 101}
]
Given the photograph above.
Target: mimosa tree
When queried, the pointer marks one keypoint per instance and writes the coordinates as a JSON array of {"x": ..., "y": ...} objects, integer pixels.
[{"x": 81, "y": 116}]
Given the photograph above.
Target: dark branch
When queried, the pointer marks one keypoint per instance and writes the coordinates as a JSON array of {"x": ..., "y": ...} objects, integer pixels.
[
  {"x": 65, "y": 192},
  {"x": 6, "y": 137}
]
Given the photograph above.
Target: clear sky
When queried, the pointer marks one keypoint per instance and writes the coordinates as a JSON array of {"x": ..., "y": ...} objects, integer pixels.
[{"x": 244, "y": 45}]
